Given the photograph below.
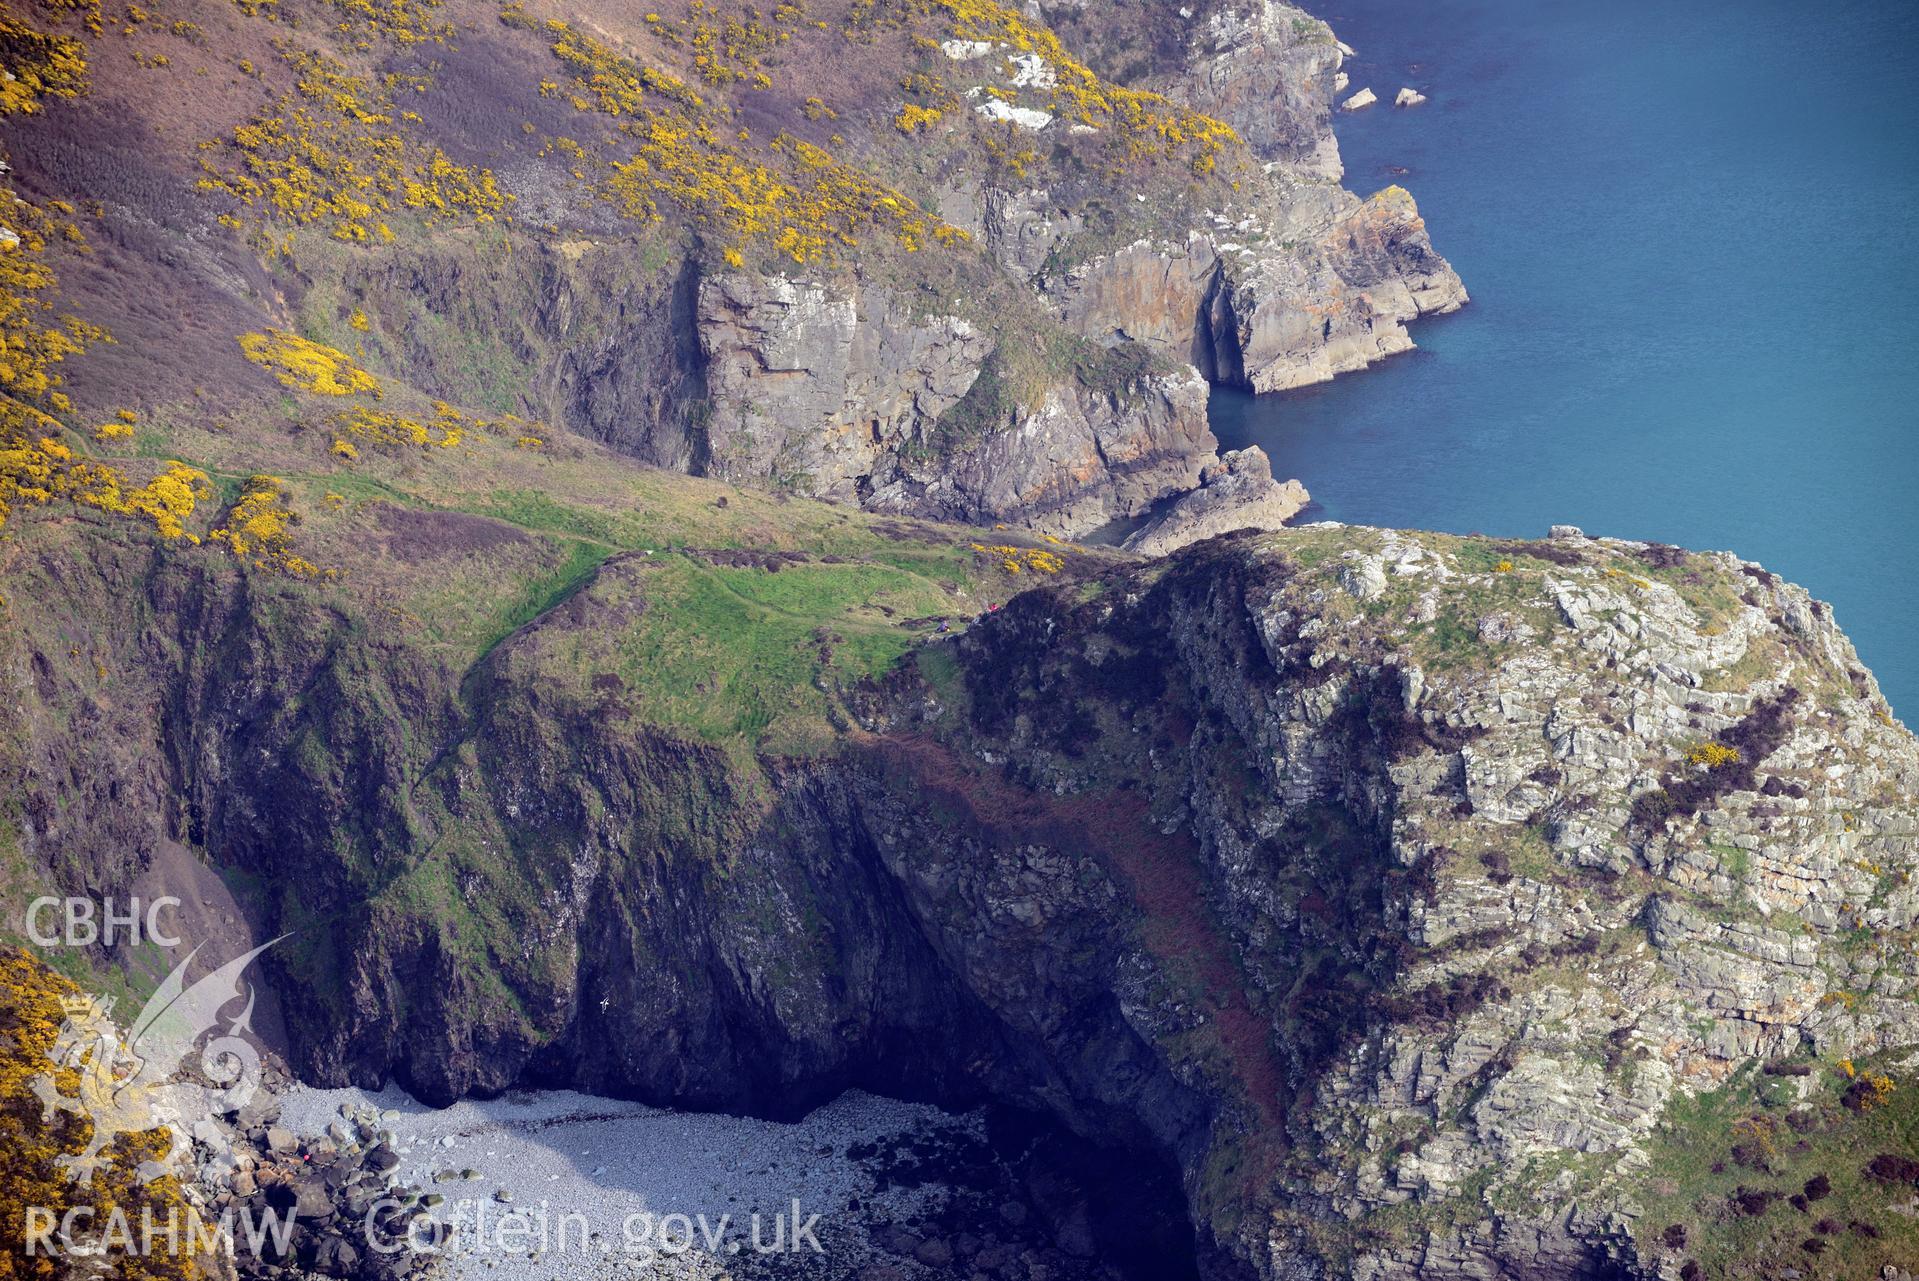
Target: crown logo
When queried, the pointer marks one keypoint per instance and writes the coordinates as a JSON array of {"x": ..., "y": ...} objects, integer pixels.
[{"x": 85, "y": 1005}]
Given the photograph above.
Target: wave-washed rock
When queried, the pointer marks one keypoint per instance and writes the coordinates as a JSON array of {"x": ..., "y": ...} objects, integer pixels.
[{"x": 836, "y": 389}]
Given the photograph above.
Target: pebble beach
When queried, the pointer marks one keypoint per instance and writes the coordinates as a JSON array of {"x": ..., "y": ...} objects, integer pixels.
[{"x": 567, "y": 1185}]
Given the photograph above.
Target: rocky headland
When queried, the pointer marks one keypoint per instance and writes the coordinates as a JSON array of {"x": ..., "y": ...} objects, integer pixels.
[
  {"x": 1025, "y": 334},
  {"x": 1400, "y": 896},
  {"x": 574, "y": 530}
]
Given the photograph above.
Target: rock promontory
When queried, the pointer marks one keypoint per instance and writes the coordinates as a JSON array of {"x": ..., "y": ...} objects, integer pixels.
[{"x": 1238, "y": 492}]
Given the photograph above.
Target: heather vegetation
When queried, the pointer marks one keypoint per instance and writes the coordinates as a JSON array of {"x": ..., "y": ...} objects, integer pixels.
[
  {"x": 336, "y": 152},
  {"x": 788, "y": 192},
  {"x": 1801, "y": 1164}
]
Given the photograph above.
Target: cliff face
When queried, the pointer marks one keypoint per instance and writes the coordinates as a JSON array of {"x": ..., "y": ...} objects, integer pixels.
[
  {"x": 1080, "y": 457},
  {"x": 1265, "y": 319},
  {"x": 1268, "y": 70},
  {"x": 1426, "y": 906},
  {"x": 838, "y": 389},
  {"x": 1265, "y": 68},
  {"x": 849, "y": 401},
  {"x": 1404, "y": 893},
  {"x": 809, "y": 384},
  {"x": 1514, "y": 849},
  {"x": 985, "y": 191},
  {"x": 1238, "y": 492},
  {"x": 1298, "y": 281}
]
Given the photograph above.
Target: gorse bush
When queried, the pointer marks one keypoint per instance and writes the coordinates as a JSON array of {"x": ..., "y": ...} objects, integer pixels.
[
  {"x": 404, "y": 22},
  {"x": 363, "y": 426},
  {"x": 727, "y": 47},
  {"x": 260, "y": 526},
  {"x": 40, "y": 64},
  {"x": 1016, "y": 560},
  {"x": 120, "y": 428},
  {"x": 336, "y": 152},
  {"x": 1131, "y": 124},
  {"x": 1712, "y": 755},
  {"x": 912, "y": 118},
  {"x": 308, "y": 366},
  {"x": 31, "y": 348},
  {"x": 795, "y": 196},
  {"x": 36, "y": 465},
  {"x": 31, "y": 1015},
  {"x": 167, "y": 500},
  {"x": 934, "y": 100}
]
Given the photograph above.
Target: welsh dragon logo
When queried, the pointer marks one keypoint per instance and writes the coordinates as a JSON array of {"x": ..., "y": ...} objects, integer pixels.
[{"x": 127, "y": 1085}]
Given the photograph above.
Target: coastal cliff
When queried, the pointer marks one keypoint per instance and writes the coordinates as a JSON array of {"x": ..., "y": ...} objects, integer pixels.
[
  {"x": 510, "y": 545},
  {"x": 1060, "y": 212},
  {"x": 1412, "y": 899}
]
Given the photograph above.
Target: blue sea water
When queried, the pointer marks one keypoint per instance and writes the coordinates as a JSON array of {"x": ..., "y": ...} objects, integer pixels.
[{"x": 1688, "y": 230}]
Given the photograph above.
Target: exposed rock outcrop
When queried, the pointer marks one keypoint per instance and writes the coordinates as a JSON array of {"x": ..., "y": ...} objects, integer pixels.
[
  {"x": 676, "y": 326},
  {"x": 1023, "y": 228},
  {"x": 579, "y": 334},
  {"x": 346, "y": 1214},
  {"x": 1249, "y": 313},
  {"x": 809, "y": 387},
  {"x": 1079, "y": 459},
  {"x": 1298, "y": 283},
  {"x": 1153, "y": 292},
  {"x": 844, "y": 400},
  {"x": 1396, "y": 889},
  {"x": 1269, "y": 70},
  {"x": 1296, "y": 287},
  {"x": 1238, "y": 492},
  {"x": 831, "y": 378},
  {"x": 840, "y": 393},
  {"x": 1279, "y": 321}
]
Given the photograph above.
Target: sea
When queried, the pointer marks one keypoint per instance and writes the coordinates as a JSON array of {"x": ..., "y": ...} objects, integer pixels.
[{"x": 1688, "y": 228}]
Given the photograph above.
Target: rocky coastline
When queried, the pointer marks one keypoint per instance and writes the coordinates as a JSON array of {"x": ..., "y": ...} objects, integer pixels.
[
  {"x": 597, "y": 633},
  {"x": 1238, "y": 492},
  {"x": 1376, "y": 888},
  {"x": 376, "y": 1187},
  {"x": 864, "y": 387}
]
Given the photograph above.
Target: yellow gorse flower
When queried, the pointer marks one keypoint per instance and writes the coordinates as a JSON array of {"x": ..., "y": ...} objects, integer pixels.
[{"x": 308, "y": 366}]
